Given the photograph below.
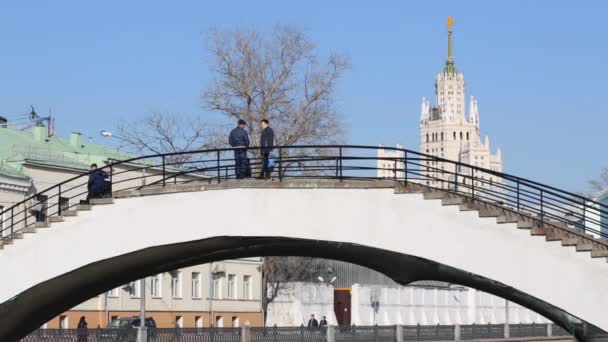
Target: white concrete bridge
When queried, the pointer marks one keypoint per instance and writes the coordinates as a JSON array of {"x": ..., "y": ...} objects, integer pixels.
[{"x": 405, "y": 230}]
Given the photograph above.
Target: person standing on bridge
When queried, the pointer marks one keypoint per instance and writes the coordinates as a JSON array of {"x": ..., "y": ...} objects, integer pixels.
[
  {"x": 96, "y": 184},
  {"x": 239, "y": 140},
  {"x": 266, "y": 146}
]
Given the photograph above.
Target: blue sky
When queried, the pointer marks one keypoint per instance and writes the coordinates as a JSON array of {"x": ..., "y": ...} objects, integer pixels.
[{"x": 537, "y": 67}]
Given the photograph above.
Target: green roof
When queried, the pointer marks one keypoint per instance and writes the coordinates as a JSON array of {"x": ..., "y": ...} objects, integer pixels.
[{"x": 18, "y": 147}]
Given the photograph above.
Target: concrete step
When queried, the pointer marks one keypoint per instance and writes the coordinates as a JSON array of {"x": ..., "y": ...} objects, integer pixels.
[
  {"x": 451, "y": 201},
  {"x": 84, "y": 207},
  {"x": 66, "y": 213},
  {"x": 569, "y": 241},
  {"x": 101, "y": 201},
  {"x": 42, "y": 225},
  {"x": 55, "y": 219},
  {"x": 538, "y": 231},
  {"x": 553, "y": 235},
  {"x": 602, "y": 253},
  {"x": 29, "y": 230},
  {"x": 434, "y": 195},
  {"x": 490, "y": 212},
  {"x": 507, "y": 219},
  {"x": 525, "y": 224},
  {"x": 584, "y": 246},
  {"x": 466, "y": 207}
]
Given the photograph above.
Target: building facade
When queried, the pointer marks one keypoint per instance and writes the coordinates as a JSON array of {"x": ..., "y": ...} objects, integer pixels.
[
  {"x": 225, "y": 293},
  {"x": 447, "y": 132}
]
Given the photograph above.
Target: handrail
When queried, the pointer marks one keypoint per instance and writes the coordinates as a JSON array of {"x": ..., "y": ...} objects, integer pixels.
[{"x": 333, "y": 162}]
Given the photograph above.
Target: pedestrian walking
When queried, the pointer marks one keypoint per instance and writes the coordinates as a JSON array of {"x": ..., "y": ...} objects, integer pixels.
[
  {"x": 97, "y": 183},
  {"x": 82, "y": 330},
  {"x": 266, "y": 147},
  {"x": 239, "y": 140},
  {"x": 312, "y": 322}
]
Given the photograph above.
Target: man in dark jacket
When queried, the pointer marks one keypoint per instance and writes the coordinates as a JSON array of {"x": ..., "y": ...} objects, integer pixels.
[
  {"x": 312, "y": 322},
  {"x": 266, "y": 146},
  {"x": 239, "y": 139},
  {"x": 97, "y": 183}
]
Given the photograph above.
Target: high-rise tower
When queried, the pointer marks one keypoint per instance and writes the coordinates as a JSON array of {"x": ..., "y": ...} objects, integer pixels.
[{"x": 445, "y": 129}]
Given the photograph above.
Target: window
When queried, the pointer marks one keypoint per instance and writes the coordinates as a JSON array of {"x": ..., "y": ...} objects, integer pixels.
[
  {"x": 113, "y": 292},
  {"x": 198, "y": 321},
  {"x": 196, "y": 285},
  {"x": 176, "y": 284},
  {"x": 235, "y": 321},
  {"x": 135, "y": 289},
  {"x": 219, "y": 321},
  {"x": 156, "y": 286},
  {"x": 467, "y": 135},
  {"x": 179, "y": 321},
  {"x": 63, "y": 322},
  {"x": 232, "y": 286},
  {"x": 460, "y": 135},
  {"x": 454, "y": 135},
  {"x": 216, "y": 289},
  {"x": 441, "y": 136},
  {"x": 247, "y": 293},
  {"x": 427, "y": 137}
]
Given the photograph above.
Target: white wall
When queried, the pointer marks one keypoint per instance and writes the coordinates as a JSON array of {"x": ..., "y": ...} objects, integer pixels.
[
  {"x": 412, "y": 305},
  {"x": 294, "y": 305},
  {"x": 403, "y": 223}
]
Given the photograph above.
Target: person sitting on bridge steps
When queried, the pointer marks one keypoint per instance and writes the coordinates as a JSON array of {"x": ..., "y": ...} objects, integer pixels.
[
  {"x": 266, "y": 146},
  {"x": 239, "y": 139}
]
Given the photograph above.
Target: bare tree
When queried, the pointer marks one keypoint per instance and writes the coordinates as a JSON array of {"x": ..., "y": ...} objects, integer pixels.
[
  {"x": 278, "y": 77},
  {"x": 162, "y": 132},
  {"x": 601, "y": 183},
  {"x": 278, "y": 272}
]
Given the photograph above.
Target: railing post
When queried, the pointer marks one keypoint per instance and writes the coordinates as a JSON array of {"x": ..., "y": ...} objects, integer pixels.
[
  {"x": 331, "y": 334},
  {"x": 472, "y": 183},
  {"x": 457, "y": 332},
  {"x": 59, "y": 200},
  {"x": 13, "y": 221},
  {"x": 164, "y": 171},
  {"x": 219, "y": 173},
  {"x": 549, "y": 329},
  {"x": 395, "y": 169},
  {"x": 585, "y": 217},
  {"x": 245, "y": 333},
  {"x": 405, "y": 166},
  {"x": 517, "y": 194},
  {"x": 340, "y": 163},
  {"x": 456, "y": 167},
  {"x": 280, "y": 164},
  {"x": 542, "y": 209},
  {"x": 399, "y": 333},
  {"x": 417, "y": 331}
]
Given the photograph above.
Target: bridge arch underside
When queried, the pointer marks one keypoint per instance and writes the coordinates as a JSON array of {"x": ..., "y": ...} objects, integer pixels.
[{"x": 33, "y": 307}]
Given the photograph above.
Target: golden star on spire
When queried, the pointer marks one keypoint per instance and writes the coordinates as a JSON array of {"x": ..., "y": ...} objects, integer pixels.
[{"x": 450, "y": 22}]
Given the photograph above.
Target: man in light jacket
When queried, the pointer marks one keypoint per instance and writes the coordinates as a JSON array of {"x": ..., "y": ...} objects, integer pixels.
[{"x": 239, "y": 139}]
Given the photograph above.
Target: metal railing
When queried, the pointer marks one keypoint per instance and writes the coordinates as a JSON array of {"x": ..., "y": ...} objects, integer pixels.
[
  {"x": 392, "y": 333},
  {"x": 543, "y": 203}
]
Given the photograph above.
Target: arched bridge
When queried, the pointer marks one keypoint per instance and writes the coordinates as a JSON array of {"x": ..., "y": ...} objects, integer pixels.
[{"x": 530, "y": 243}]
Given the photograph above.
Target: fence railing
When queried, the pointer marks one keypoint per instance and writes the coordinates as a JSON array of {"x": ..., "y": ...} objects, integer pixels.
[
  {"x": 394, "y": 333},
  {"x": 541, "y": 202}
]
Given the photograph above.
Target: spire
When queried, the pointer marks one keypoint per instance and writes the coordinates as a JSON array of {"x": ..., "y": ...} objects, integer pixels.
[
  {"x": 425, "y": 111},
  {"x": 449, "y": 63}
]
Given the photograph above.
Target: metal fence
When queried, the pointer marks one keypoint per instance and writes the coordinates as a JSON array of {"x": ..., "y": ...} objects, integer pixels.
[
  {"x": 429, "y": 332},
  {"x": 393, "y": 333},
  {"x": 366, "y": 334}
]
